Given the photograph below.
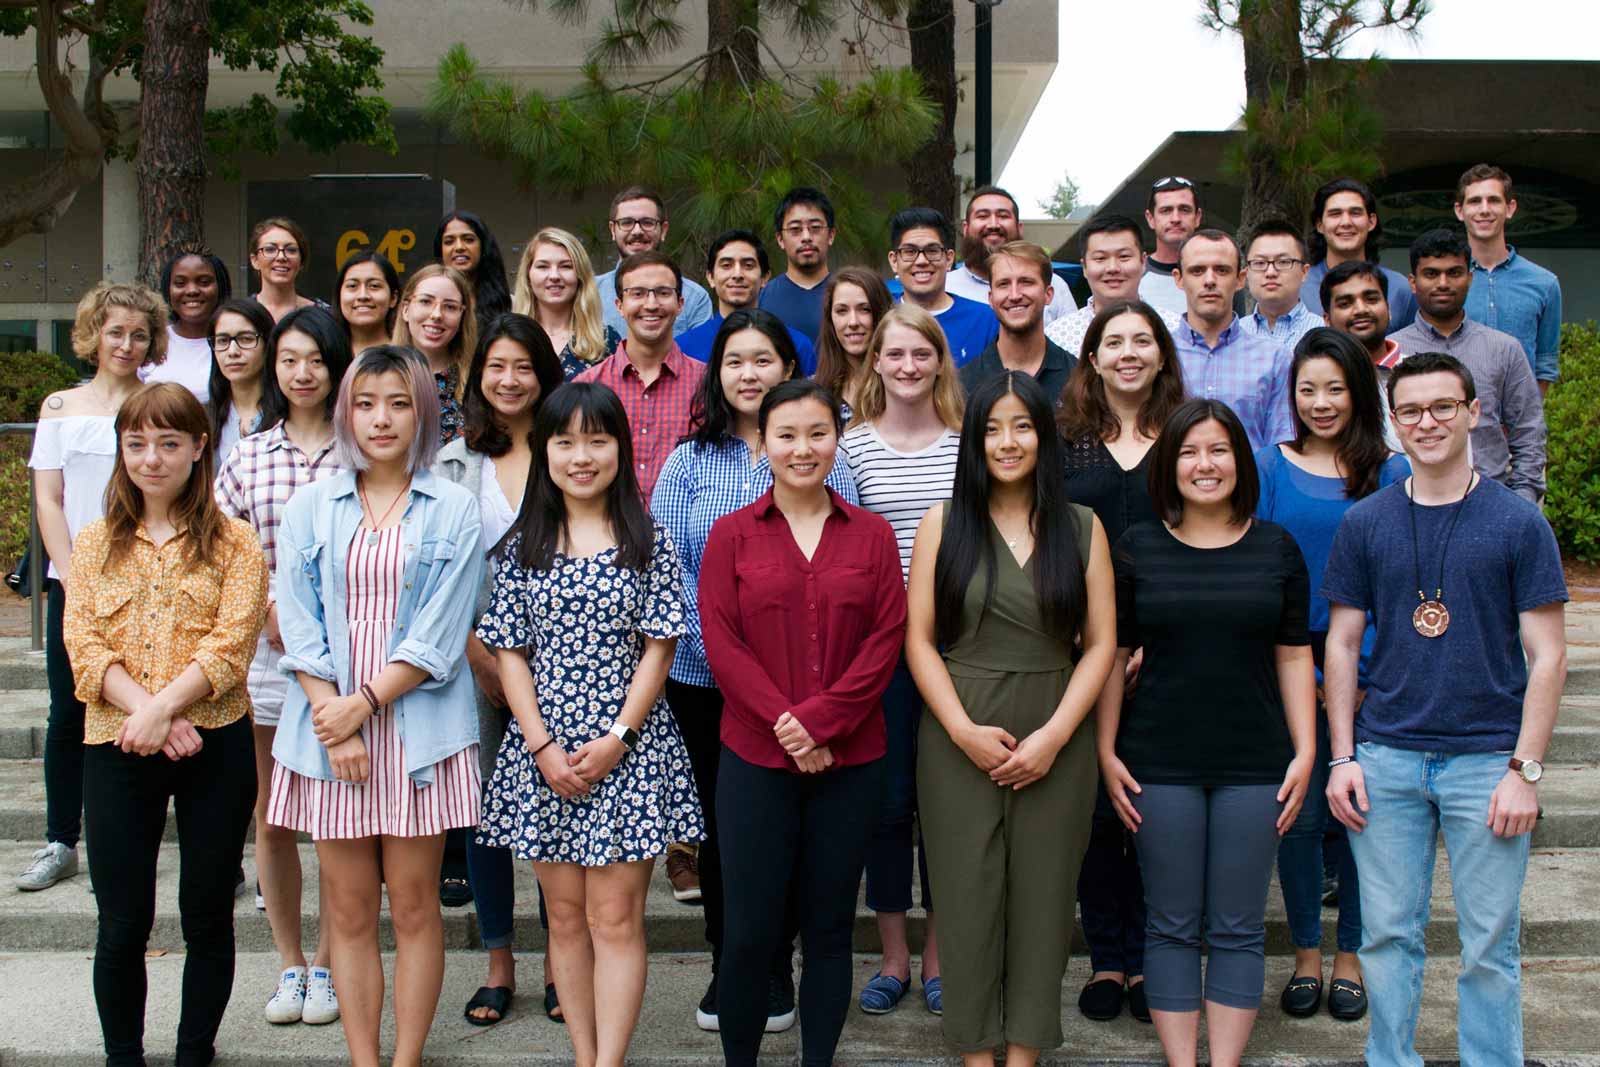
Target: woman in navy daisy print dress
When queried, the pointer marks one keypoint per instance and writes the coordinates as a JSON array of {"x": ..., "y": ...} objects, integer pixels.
[{"x": 593, "y": 780}]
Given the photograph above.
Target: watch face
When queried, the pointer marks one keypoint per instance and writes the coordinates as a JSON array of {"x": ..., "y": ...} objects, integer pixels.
[{"x": 1532, "y": 770}]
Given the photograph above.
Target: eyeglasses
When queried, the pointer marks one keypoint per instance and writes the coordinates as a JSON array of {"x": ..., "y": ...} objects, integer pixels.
[
  {"x": 274, "y": 251},
  {"x": 911, "y": 253},
  {"x": 1441, "y": 410},
  {"x": 426, "y": 304},
  {"x": 663, "y": 293},
  {"x": 1172, "y": 181},
  {"x": 247, "y": 340},
  {"x": 1282, "y": 263},
  {"x": 798, "y": 229},
  {"x": 647, "y": 225}
]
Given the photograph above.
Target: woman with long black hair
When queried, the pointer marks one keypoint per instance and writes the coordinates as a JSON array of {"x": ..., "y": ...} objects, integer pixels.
[
  {"x": 239, "y": 332},
  {"x": 366, "y": 299},
  {"x": 1010, "y": 639},
  {"x": 463, "y": 241},
  {"x": 1338, "y": 456}
]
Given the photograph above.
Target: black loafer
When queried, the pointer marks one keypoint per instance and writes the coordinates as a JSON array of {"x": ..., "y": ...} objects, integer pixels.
[
  {"x": 1347, "y": 1000},
  {"x": 1138, "y": 1006},
  {"x": 1301, "y": 997},
  {"x": 1102, "y": 1000}
]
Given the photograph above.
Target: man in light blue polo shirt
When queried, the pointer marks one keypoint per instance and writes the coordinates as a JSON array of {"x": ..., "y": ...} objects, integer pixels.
[
  {"x": 1509, "y": 292},
  {"x": 1221, "y": 360},
  {"x": 639, "y": 224}
]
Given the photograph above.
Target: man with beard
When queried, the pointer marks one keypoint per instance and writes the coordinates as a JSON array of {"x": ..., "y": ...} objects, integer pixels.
[
  {"x": 639, "y": 224},
  {"x": 992, "y": 220},
  {"x": 1020, "y": 281},
  {"x": 1113, "y": 265},
  {"x": 1345, "y": 226},
  {"x": 1355, "y": 296},
  {"x": 804, "y": 224},
  {"x": 1508, "y": 441},
  {"x": 1173, "y": 212}
]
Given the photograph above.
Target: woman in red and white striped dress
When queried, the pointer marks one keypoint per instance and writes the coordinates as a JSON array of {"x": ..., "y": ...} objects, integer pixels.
[{"x": 378, "y": 572}]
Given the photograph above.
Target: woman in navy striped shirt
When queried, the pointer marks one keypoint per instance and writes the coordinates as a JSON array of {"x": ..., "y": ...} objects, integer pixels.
[
  {"x": 902, "y": 446},
  {"x": 719, "y": 468}
]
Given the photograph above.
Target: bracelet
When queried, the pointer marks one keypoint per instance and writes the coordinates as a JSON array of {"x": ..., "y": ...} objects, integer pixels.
[
  {"x": 372, "y": 698},
  {"x": 1340, "y": 762},
  {"x": 547, "y": 743}
]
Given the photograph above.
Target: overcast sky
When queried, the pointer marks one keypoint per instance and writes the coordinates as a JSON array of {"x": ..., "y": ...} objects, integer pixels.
[{"x": 1188, "y": 78}]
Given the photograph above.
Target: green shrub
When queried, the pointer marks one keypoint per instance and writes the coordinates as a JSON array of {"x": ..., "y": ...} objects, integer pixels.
[
  {"x": 1572, "y": 415},
  {"x": 26, "y": 378}
]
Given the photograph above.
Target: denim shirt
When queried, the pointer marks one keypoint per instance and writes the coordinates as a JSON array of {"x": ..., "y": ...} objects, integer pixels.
[{"x": 444, "y": 569}]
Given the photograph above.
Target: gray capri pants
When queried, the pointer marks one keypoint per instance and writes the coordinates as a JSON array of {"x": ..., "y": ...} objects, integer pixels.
[{"x": 1207, "y": 854}]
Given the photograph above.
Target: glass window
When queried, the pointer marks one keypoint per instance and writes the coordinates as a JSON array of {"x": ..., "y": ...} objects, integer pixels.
[{"x": 19, "y": 335}]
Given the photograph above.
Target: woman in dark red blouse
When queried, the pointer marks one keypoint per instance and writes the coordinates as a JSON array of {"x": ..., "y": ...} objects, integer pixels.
[{"x": 803, "y": 613}]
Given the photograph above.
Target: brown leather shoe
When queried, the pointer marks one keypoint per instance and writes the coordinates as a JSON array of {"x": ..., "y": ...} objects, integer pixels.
[{"x": 683, "y": 872}]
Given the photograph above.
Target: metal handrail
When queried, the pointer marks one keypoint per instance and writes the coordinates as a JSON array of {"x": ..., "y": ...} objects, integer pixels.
[{"x": 35, "y": 548}]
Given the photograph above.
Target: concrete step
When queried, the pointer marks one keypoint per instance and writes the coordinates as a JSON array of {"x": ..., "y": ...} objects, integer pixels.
[
  {"x": 1560, "y": 912},
  {"x": 49, "y": 1021}
]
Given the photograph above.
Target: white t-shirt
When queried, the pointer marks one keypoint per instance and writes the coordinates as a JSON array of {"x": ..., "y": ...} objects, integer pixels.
[
  {"x": 84, "y": 449},
  {"x": 901, "y": 486},
  {"x": 962, "y": 282},
  {"x": 188, "y": 363}
]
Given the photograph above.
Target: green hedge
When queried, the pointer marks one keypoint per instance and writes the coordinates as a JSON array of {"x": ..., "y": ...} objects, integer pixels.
[
  {"x": 26, "y": 378},
  {"x": 1572, "y": 414}
]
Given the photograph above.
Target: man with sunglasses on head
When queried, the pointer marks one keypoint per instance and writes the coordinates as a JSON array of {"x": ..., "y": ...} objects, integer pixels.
[
  {"x": 638, "y": 223},
  {"x": 1173, "y": 212},
  {"x": 992, "y": 221},
  {"x": 1508, "y": 442},
  {"x": 921, "y": 253}
]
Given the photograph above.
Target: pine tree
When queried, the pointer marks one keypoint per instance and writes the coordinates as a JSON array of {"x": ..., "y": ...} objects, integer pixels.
[
  {"x": 1305, "y": 124},
  {"x": 723, "y": 136}
]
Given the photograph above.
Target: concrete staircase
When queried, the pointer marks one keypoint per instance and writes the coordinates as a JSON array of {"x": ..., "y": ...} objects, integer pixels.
[{"x": 47, "y": 1014}]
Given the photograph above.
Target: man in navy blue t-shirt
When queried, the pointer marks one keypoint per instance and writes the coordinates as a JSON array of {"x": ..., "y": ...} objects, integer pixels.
[
  {"x": 921, "y": 252},
  {"x": 1463, "y": 581},
  {"x": 804, "y": 224},
  {"x": 736, "y": 269}
]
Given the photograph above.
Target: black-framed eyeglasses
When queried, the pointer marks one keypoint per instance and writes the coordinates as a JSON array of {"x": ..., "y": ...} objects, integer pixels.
[
  {"x": 1282, "y": 263},
  {"x": 912, "y": 253},
  {"x": 626, "y": 224},
  {"x": 274, "y": 251},
  {"x": 247, "y": 340},
  {"x": 1442, "y": 411}
]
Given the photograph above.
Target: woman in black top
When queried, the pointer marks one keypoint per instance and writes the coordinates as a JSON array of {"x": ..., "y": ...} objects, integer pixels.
[
  {"x": 1212, "y": 755},
  {"x": 1127, "y": 381}
]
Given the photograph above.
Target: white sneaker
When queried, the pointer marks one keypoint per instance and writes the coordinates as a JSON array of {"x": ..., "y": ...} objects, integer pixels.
[
  {"x": 322, "y": 1003},
  {"x": 261, "y": 901},
  {"x": 48, "y": 866},
  {"x": 289, "y": 999}
]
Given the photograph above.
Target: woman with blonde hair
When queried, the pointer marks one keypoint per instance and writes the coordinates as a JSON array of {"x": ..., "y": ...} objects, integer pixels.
[
  {"x": 556, "y": 287},
  {"x": 119, "y": 329},
  {"x": 166, "y": 598},
  {"x": 852, "y": 304},
  {"x": 438, "y": 317},
  {"x": 902, "y": 447}
]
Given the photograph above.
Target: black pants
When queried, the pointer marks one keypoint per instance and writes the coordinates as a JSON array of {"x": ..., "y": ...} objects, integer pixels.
[
  {"x": 63, "y": 732},
  {"x": 1111, "y": 894},
  {"x": 782, "y": 832},
  {"x": 214, "y": 794}
]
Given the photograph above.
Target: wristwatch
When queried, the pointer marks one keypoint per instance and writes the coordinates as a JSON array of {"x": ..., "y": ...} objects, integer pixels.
[
  {"x": 1530, "y": 769},
  {"x": 626, "y": 734}
]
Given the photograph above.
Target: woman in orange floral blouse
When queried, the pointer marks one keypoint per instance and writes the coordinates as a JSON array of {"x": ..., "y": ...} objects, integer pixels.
[{"x": 164, "y": 604}]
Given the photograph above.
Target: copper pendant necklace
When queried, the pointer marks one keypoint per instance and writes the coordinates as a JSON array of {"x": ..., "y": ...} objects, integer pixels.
[{"x": 1432, "y": 618}]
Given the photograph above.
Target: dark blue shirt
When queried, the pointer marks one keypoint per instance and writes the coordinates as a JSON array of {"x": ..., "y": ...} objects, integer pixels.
[
  {"x": 1461, "y": 691},
  {"x": 697, "y": 344},
  {"x": 968, "y": 328},
  {"x": 800, "y": 309}
]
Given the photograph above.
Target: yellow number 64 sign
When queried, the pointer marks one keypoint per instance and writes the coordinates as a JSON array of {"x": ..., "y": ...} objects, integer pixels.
[{"x": 393, "y": 245}]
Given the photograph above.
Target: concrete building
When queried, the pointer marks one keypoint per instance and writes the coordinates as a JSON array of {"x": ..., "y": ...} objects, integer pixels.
[
  {"x": 1537, "y": 119},
  {"x": 41, "y": 278}
]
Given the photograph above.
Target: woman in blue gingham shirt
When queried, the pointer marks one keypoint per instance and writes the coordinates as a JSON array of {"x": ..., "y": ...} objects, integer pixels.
[{"x": 719, "y": 469}]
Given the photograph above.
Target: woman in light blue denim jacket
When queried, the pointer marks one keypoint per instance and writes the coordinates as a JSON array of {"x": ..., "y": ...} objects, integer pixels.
[{"x": 378, "y": 573}]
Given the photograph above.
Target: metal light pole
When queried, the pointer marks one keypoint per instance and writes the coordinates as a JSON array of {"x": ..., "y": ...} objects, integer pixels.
[{"x": 983, "y": 95}]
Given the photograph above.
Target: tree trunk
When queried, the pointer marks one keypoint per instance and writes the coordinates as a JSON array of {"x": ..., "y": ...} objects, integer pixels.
[
  {"x": 1275, "y": 81},
  {"x": 733, "y": 38},
  {"x": 171, "y": 165},
  {"x": 931, "y": 170}
]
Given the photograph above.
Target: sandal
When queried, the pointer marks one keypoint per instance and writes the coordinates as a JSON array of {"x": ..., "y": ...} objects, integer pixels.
[
  {"x": 496, "y": 998},
  {"x": 454, "y": 892},
  {"x": 552, "y": 1005},
  {"x": 882, "y": 994},
  {"x": 933, "y": 995}
]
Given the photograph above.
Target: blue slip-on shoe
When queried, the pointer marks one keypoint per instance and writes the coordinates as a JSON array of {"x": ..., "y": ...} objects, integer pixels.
[
  {"x": 882, "y": 994},
  {"x": 933, "y": 995}
]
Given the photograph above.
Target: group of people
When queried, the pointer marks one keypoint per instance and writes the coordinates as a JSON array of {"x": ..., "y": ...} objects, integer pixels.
[{"x": 1047, "y": 611}]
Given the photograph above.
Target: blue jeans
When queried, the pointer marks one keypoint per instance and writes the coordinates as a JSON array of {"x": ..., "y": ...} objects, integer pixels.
[
  {"x": 1300, "y": 863},
  {"x": 1413, "y": 796},
  {"x": 889, "y": 852}
]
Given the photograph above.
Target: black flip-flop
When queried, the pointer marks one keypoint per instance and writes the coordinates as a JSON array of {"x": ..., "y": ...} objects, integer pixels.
[
  {"x": 552, "y": 1005},
  {"x": 496, "y": 998}
]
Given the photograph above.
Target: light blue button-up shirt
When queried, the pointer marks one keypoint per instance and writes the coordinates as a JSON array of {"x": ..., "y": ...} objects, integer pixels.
[
  {"x": 1523, "y": 299},
  {"x": 1250, "y": 374},
  {"x": 443, "y": 571},
  {"x": 1287, "y": 331},
  {"x": 696, "y": 305}
]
